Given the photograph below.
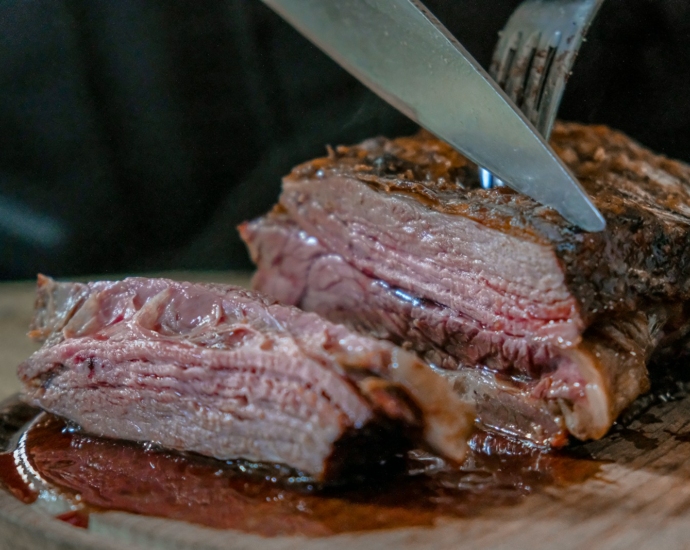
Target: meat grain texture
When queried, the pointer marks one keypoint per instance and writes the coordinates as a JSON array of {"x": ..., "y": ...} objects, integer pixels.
[
  {"x": 547, "y": 328},
  {"x": 231, "y": 374}
]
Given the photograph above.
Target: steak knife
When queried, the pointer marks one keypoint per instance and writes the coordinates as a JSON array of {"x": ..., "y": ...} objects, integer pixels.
[{"x": 405, "y": 55}]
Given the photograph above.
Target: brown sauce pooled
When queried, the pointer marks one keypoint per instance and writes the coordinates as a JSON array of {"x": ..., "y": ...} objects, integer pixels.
[
  {"x": 11, "y": 479},
  {"x": 119, "y": 475},
  {"x": 78, "y": 518}
]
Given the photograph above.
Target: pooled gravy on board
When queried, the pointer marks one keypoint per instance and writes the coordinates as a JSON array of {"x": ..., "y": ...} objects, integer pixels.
[{"x": 97, "y": 474}]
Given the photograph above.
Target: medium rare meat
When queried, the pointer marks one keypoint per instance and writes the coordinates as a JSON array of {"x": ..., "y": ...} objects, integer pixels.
[
  {"x": 228, "y": 373},
  {"x": 547, "y": 328}
]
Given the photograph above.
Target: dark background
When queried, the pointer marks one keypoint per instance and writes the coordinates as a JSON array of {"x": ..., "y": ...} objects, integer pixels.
[{"x": 136, "y": 134}]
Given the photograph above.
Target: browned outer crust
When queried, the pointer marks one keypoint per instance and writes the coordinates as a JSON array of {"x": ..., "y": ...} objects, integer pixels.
[{"x": 642, "y": 255}]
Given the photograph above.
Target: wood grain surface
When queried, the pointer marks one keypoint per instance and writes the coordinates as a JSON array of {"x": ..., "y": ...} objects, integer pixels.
[{"x": 640, "y": 497}]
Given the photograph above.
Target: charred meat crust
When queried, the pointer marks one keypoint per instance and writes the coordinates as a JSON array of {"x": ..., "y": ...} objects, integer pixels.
[
  {"x": 373, "y": 451},
  {"x": 644, "y": 197},
  {"x": 395, "y": 238}
]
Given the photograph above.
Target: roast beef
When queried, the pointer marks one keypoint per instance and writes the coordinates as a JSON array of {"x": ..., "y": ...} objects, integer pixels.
[
  {"x": 228, "y": 373},
  {"x": 547, "y": 328}
]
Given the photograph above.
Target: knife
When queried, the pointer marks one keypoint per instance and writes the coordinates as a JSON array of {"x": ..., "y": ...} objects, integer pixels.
[{"x": 405, "y": 55}]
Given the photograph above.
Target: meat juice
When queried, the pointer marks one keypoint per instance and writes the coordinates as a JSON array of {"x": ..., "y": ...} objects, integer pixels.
[{"x": 98, "y": 474}]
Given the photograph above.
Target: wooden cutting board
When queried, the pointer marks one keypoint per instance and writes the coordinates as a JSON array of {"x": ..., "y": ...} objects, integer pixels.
[{"x": 637, "y": 497}]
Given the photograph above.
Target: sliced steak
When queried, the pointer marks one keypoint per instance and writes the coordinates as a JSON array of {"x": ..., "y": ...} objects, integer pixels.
[
  {"x": 227, "y": 373},
  {"x": 549, "y": 328}
]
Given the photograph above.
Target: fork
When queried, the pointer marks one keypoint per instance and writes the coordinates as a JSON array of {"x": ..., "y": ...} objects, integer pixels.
[{"x": 533, "y": 58}]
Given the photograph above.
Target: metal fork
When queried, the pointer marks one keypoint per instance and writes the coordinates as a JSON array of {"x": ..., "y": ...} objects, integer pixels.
[{"x": 534, "y": 55}]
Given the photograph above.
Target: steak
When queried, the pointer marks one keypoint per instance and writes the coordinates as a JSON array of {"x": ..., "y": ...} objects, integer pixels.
[
  {"x": 229, "y": 373},
  {"x": 547, "y": 328}
]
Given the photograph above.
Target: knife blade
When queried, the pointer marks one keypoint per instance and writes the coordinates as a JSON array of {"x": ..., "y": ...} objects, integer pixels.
[{"x": 405, "y": 55}]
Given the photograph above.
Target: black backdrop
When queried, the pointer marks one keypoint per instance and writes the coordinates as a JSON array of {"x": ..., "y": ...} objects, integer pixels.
[{"x": 136, "y": 134}]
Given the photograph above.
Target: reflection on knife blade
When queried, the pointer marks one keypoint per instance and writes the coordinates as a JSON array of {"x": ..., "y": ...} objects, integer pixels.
[{"x": 407, "y": 57}]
